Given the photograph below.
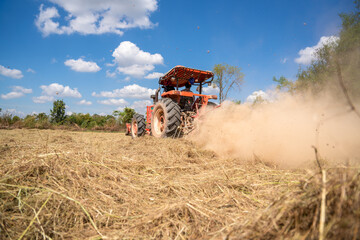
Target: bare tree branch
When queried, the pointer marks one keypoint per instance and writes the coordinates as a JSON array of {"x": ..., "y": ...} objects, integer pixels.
[{"x": 342, "y": 85}]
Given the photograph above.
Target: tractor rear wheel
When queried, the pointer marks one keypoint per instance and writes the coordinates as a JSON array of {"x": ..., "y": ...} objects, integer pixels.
[
  {"x": 137, "y": 125},
  {"x": 165, "y": 118}
]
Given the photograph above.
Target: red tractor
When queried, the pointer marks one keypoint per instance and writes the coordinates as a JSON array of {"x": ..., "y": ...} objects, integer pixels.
[{"x": 173, "y": 115}]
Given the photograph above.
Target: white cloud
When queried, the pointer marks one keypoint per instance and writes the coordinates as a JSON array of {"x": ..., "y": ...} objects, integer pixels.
[
  {"x": 121, "y": 108},
  {"x": 110, "y": 74},
  {"x": 50, "y": 91},
  {"x": 130, "y": 91},
  {"x": 113, "y": 101},
  {"x": 211, "y": 90},
  {"x": 127, "y": 79},
  {"x": 56, "y": 89},
  {"x": 154, "y": 75},
  {"x": 110, "y": 64},
  {"x": 43, "y": 99},
  {"x": 21, "y": 89},
  {"x": 30, "y": 70},
  {"x": 95, "y": 17},
  {"x": 45, "y": 23},
  {"x": 265, "y": 96},
  {"x": 307, "y": 55},
  {"x": 136, "y": 70},
  {"x": 12, "y": 73},
  {"x": 17, "y": 92},
  {"x": 12, "y": 95},
  {"x": 68, "y": 113},
  {"x": 82, "y": 66},
  {"x": 133, "y": 61},
  {"x": 140, "y": 106},
  {"x": 84, "y": 102}
]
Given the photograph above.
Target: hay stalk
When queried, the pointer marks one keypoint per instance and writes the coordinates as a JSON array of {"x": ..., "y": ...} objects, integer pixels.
[
  {"x": 35, "y": 217},
  {"x": 323, "y": 206},
  {"x": 63, "y": 195}
]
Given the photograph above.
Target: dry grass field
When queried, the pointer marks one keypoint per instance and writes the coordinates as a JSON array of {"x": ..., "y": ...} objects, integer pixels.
[{"x": 94, "y": 185}]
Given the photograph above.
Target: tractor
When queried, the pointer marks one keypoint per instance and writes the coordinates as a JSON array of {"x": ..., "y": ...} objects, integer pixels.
[{"x": 173, "y": 115}]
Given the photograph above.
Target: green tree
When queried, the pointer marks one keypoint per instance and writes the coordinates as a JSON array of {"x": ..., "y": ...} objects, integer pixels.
[
  {"x": 283, "y": 83},
  {"x": 30, "y": 121},
  {"x": 348, "y": 49},
  {"x": 124, "y": 116},
  {"x": 227, "y": 77},
  {"x": 15, "y": 119},
  {"x": 6, "y": 118},
  {"x": 116, "y": 114},
  {"x": 318, "y": 73},
  {"x": 127, "y": 115},
  {"x": 350, "y": 31},
  {"x": 41, "y": 117},
  {"x": 42, "y": 121},
  {"x": 84, "y": 120},
  {"x": 58, "y": 112},
  {"x": 342, "y": 55}
]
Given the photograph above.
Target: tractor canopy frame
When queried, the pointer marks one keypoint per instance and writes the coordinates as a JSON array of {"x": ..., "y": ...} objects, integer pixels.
[{"x": 179, "y": 76}]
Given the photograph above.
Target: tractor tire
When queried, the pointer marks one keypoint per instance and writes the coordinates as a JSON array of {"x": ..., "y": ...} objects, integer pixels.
[
  {"x": 165, "y": 118},
  {"x": 137, "y": 126}
]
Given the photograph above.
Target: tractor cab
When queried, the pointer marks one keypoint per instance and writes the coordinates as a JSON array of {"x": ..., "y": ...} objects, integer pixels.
[{"x": 180, "y": 104}]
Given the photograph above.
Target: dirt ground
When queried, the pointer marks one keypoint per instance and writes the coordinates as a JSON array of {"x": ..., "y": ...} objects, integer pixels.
[{"x": 65, "y": 184}]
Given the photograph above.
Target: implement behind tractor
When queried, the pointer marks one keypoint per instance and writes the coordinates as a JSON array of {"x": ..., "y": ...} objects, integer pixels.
[{"x": 173, "y": 115}]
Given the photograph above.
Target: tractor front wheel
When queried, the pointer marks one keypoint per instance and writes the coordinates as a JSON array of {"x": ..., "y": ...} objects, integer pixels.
[
  {"x": 165, "y": 118},
  {"x": 137, "y": 126}
]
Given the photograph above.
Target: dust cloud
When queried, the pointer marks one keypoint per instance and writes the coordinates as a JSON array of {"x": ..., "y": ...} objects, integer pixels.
[{"x": 283, "y": 131}]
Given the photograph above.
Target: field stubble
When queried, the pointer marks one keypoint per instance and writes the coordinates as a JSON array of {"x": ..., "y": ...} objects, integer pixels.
[{"x": 62, "y": 184}]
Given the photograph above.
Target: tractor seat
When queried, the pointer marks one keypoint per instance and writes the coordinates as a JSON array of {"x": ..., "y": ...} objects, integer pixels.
[{"x": 186, "y": 103}]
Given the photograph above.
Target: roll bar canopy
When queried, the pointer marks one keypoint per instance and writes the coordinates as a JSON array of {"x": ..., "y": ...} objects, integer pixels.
[{"x": 179, "y": 75}]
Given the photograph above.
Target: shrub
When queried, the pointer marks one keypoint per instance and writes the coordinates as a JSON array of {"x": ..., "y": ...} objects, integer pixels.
[
  {"x": 30, "y": 121},
  {"x": 91, "y": 125},
  {"x": 15, "y": 119}
]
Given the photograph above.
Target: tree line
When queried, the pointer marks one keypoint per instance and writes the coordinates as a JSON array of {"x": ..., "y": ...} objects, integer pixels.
[{"x": 58, "y": 119}]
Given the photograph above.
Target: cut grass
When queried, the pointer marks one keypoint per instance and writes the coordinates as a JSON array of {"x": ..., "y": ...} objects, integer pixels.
[{"x": 109, "y": 185}]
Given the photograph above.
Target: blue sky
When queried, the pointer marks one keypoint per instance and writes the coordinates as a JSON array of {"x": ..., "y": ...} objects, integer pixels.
[{"x": 99, "y": 56}]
